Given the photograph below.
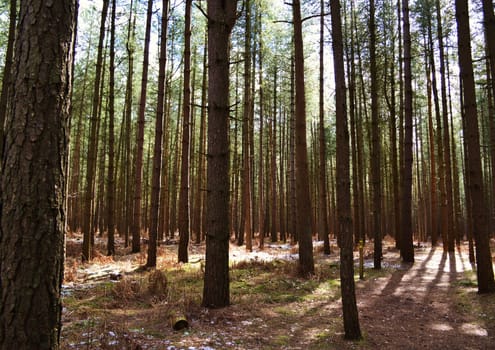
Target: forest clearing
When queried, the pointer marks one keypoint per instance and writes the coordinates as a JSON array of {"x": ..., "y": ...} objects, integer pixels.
[{"x": 432, "y": 304}]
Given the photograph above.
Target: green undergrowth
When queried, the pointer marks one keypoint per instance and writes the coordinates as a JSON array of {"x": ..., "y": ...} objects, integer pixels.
[{"x": 143, "y": 304}]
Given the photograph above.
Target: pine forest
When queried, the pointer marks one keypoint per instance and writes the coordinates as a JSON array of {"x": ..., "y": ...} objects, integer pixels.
[{"x": 247, "y": 174}]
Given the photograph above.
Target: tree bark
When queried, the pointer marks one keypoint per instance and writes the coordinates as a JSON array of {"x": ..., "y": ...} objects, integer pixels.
[
  {"x": 221, "y": 19},
  {"x": 484, "y": 271},
  {"x": 375, "y": 147},
  {"x": 303, "y": 200},
  {"x": 111, "y": 140},
  {"x": 349, "y": 307},
  {"x": 33, "y": 181},
  {"x": 158, "y": 145},
  {"x": 184, "y": 207},
  {"x": 322, "y": 171},
  {"x": 407, "y": 249},
  {"x": 87, "y": 226},
  {"x": 138, "y": 183}
]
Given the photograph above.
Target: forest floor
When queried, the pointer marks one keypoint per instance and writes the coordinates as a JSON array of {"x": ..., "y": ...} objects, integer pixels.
[{"x": 111, "y": 303}]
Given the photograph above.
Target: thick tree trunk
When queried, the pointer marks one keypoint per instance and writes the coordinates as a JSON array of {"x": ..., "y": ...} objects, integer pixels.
[
  {"x": 484, "y": 271},
  {"x": 221, "y": 19},
  {"x": 34, "y": 177},
  {"x": 349, "y": 307}
]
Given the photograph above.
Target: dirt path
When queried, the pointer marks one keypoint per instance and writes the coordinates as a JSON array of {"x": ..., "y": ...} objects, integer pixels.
[{"x": 430, "y": 305}]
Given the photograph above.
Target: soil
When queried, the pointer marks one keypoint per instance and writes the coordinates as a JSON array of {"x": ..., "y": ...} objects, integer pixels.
[{"x": 431, "y": 304}]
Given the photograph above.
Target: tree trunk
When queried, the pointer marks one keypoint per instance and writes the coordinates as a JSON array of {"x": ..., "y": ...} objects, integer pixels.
[
  {"x": 446, "y": 135},
  {"x": 111, "y": 140},
  {"x": 246, "y": 142},
  {"x": 261, "y": 173},
  {"x": 303, "y": 201},
  {"x": 484, "y": 271},
  {"x": 128, "y": 127},
  {"x": 87, "y": 226},
  {"x": 273, "y": 162},
  {"x": 375, "y": 147},
  {"x": 349, "y": 307},
  {"x": 407, "y": 249},
  {"x": 322, "y": 173},
  {"x": 221, "y": 19},
  {"x": 157, "y": 148},
  {"x": 138, "y": 183},
  {"x": 200, "y": 189},
  {"x": 33, "y": 181},
  {"x": 184, "y": 207}
]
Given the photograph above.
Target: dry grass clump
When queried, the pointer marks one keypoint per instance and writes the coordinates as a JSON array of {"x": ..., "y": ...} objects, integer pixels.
[
  {"x": 151, "y": 289},
  {"x": 158, "y": 284},
  {"x": 128, "y": 289}
]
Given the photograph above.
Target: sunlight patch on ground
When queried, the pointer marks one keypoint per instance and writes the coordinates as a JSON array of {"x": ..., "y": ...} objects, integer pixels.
[
  {"x": 474, "y": 329},
  {"x": 442, "y": 327}
]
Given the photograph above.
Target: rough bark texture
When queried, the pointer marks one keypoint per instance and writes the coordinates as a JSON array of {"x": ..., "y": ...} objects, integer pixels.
[
  {"x": 349, "y": 307},
  {"x": 33, "y": 178},
  {"x": 480, "y": 227},
  {"x": 407, "y": 249},
  {"x": 303, "y": 201},
  {"x": 221, "y": 20}
]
